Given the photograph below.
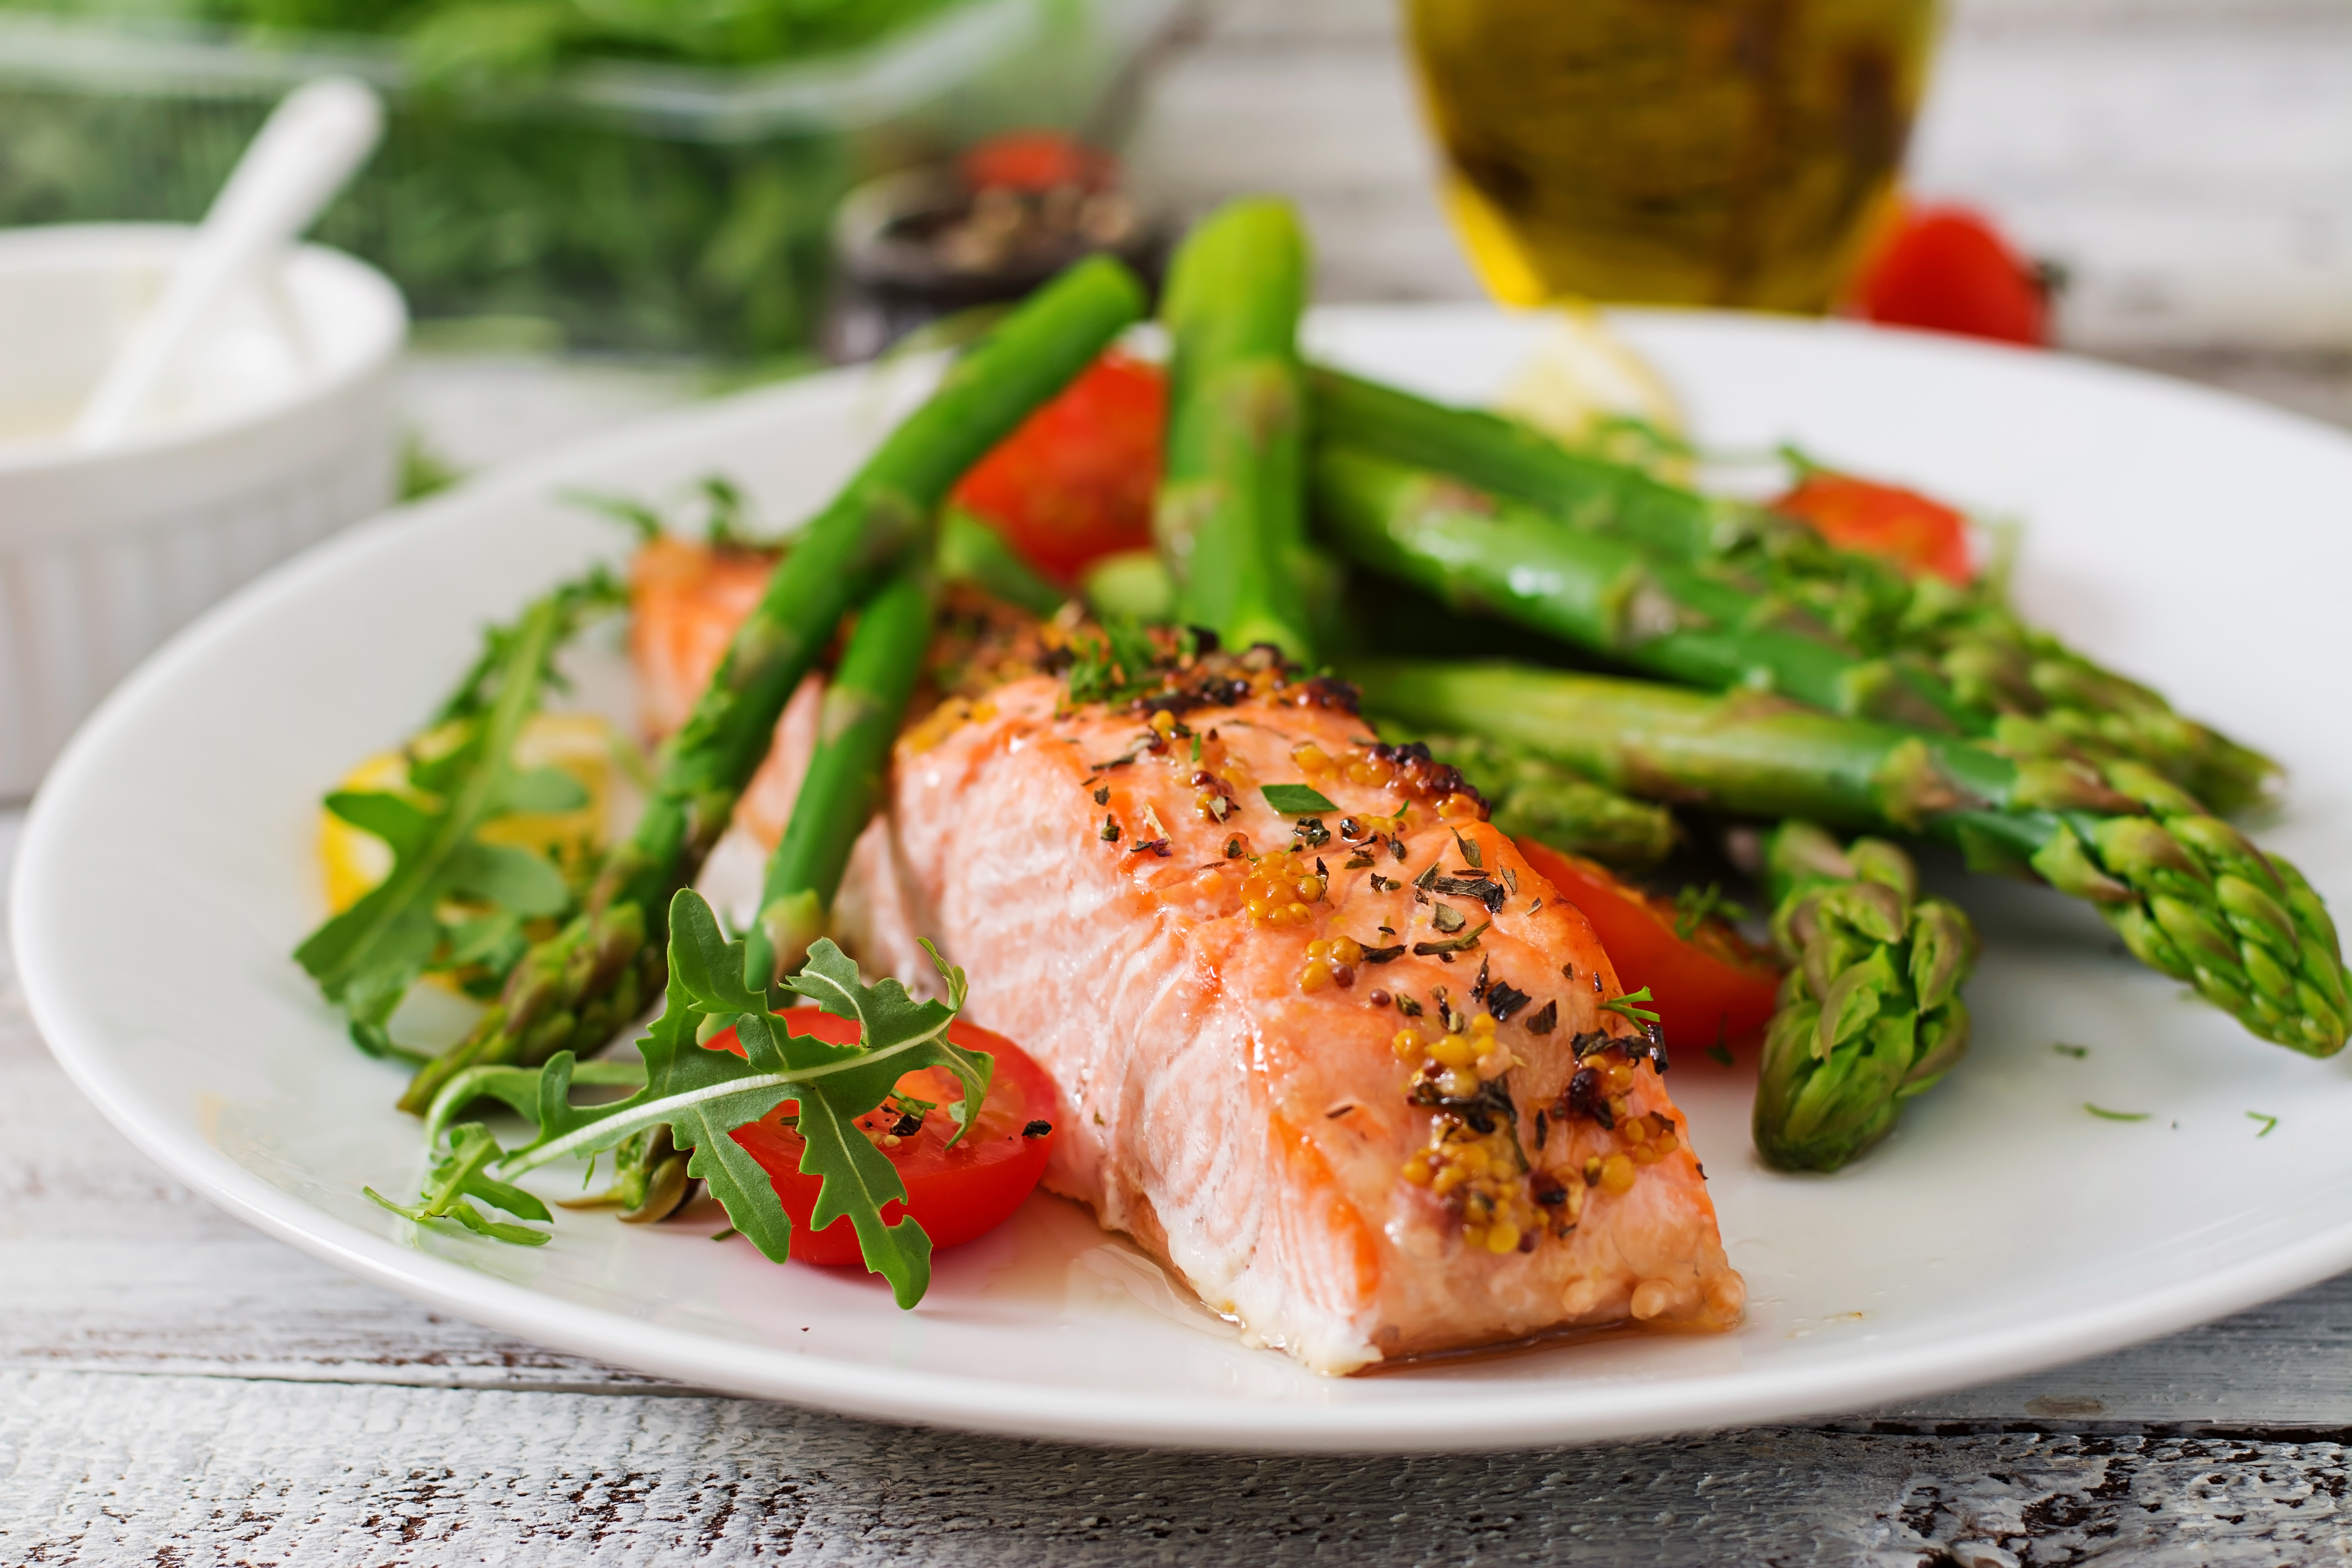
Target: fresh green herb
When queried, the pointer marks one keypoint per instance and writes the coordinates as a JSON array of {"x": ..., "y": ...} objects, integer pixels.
[
  {"x": 1719, "y": 1054},
  {"x": 2105, "y": 1115},
  {"x": 452, "y": 900},
  {"x": 702, "y": 1095},
  {"x": 2077, "y": 1052},
  {"x": 585, "y": 599},
  {"x": 1694, "y": 907},
  {"x": 1463, "y": 943},
  {"x": 1293, "y": 800},
  {"x": 464, "y": 1174},
  {"x": 2270, "y": 1123},
  {"x": 1114, "y": 663},
  {"x": 519, "y": 1089},
  {"x": 1630, "y": 1006},
  {"x": 724, "y": 524},
  {"x": 641, "y": 518}
]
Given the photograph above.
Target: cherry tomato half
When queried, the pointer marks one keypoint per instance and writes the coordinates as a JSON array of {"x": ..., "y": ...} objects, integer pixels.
[
  {"x": 1946, "y": 270},
  {"x": 1076, "y": 481},
  {"x": 1712, "y": 986},
  {"x": 954, "y": 1193},
  {"x": 1914, "y": 532}
]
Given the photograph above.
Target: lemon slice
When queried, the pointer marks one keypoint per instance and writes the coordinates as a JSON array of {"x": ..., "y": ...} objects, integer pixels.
[
  {"x": 1580, "y": 376},
  {"x": 582, "y": 744}
]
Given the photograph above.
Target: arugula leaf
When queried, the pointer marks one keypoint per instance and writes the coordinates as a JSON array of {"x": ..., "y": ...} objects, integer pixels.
[
  {"x": 365, "y": 958},
  {"x": 703, "y": 1095},
  {"x": 452, "y": 901},
  {"x": 595, "y": 592},
  {"x": 1293, "y": 800},
  {"x": 541, "y": 1093},
  {"x": 465, "y": 1173}
]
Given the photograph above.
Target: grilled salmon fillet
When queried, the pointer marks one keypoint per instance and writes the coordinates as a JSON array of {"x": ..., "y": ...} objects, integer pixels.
[{"x": 1347, "y": 1070}]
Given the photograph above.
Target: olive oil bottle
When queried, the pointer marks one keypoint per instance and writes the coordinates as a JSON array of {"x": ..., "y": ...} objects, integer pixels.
[{"x": 1734, "y": 153}]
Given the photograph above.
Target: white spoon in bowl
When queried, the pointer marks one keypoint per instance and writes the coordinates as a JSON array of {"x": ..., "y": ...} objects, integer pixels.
[{"x": 312, "y": 142}]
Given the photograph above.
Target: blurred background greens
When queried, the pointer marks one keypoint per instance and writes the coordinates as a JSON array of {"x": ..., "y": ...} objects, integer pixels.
[{"x": 648, "y": 177}]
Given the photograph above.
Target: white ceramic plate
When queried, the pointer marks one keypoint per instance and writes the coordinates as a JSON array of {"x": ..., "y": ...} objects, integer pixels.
[{"x": 2204, "y": 543}]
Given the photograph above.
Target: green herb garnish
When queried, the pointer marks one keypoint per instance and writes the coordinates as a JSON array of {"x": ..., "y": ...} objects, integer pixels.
[
  {"x": 2270, "y": 1123},
  {"x": 1296, "y": 800},
  {"x": 1630, "y": 1006},
  {"x": 2105, "y": 1115},
  {"x": 1114, "y": 663},
  {"x": 1694, "y": 907},
  {"x": 702, "y": 1095},
  {"x": 464, "y": 1174},
  {"x": 1463, "y": 943},
  {"x": 453, "y": 901}
]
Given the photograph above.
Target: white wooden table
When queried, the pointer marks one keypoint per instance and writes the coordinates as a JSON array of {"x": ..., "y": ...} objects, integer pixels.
[{"x": 176, "y": 1388}]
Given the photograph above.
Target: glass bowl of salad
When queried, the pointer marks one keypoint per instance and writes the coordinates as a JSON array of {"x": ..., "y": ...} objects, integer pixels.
[{"x": 642, "y": 177}]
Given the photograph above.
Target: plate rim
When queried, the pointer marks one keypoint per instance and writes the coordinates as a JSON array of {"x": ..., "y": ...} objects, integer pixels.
[{"x": 1494, "y": 1415}]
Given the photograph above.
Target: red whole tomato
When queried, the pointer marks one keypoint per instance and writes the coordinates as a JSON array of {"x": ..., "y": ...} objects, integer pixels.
[
  {"x": 1075, "y": 482},
  {"x": 1946, "y": 270},
  {"x": 1914, "y": 532},
  {"x": 955, "y": 1194},
  {"x": 1706, "y": 988},
  {"x": 1036, "y": 161}
]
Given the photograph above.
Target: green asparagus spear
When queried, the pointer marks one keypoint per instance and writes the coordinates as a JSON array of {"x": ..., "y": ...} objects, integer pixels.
[
  {"x": 1530, "y": 797},
  {"x": 1602, "y": 594},
  {"x": 864, "y": 706},
  {"x": 572, "y": 991},
  {"x": 1870, "y": 1014},
  {"x": 2038, "y": 697},
  {"x": 2186, "y": 893},
  {"x": 1229, "y": 514}
]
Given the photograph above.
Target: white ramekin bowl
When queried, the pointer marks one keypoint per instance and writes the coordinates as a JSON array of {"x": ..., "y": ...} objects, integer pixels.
[{"x": 276, "y": 429}]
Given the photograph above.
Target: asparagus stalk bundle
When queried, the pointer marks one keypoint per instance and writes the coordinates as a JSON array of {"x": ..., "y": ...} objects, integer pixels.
[
  {"x": 865, "y": 703},
  {"x": 571, "y": 991},
  {"x": 2035, "y": 697},
  {"x": 1870, "y": 1014},
  {"x": 1604, "y": 594},
  {"x": 1230, "y": 516},
  {"x": 2186, "y": 893}
]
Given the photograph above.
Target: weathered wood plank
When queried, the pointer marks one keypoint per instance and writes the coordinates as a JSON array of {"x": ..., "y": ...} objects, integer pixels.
[{"x": 107, "y": 1469}]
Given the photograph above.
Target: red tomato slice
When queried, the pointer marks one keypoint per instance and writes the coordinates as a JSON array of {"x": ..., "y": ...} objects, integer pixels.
[
  {"x": 954, "y": 1193},
  {"x": 1914, "y": 532},
  {"x": 1076, "y": 481},
  {"x": 1947, "y": 270},
  {"x": 1712, "y": 987}
]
